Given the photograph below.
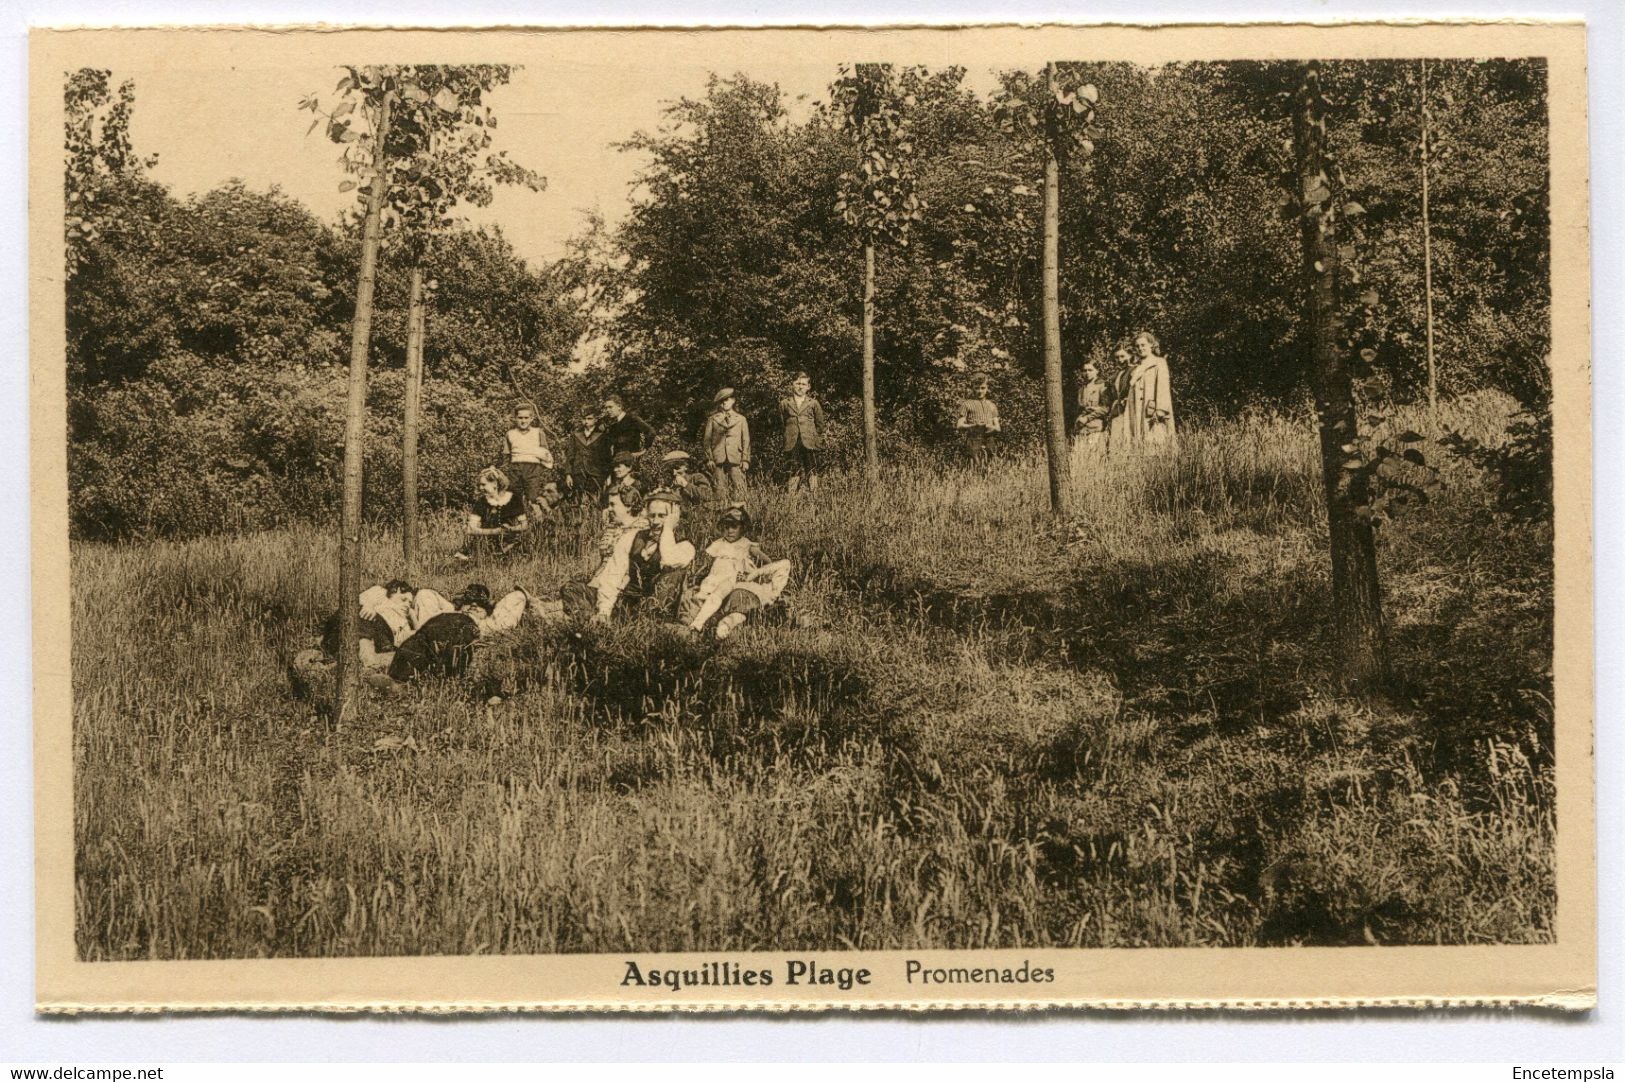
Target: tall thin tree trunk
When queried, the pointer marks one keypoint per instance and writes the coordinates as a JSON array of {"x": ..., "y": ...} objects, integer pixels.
[
  {"x": 1060, "y": 494},
  {"x": 409, "y": 423},
  {"x": 1427, "y": 251},
  {"x": 1356, "y": 594},
  {"x": 344, "y": 685},
  {"x": 871, "y": 436}
]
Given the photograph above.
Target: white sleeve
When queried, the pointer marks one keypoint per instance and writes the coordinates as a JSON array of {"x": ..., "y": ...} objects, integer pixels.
[
  {"x": 371, "y": 598},
  {"x": 675, "y": 553},
  {"x": 508, "y": 611},
  {"x": 427, "y": 605}
]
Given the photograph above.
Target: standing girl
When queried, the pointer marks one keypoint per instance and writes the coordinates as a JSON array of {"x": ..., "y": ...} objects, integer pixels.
[{"x": 1149, "y": 407}]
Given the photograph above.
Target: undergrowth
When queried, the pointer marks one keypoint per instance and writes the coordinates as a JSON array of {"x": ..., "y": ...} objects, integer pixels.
[{"x": 971, "y": 726}]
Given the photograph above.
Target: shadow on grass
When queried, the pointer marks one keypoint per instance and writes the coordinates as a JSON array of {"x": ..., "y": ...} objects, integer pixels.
[{"x": 1175, "y": 634}]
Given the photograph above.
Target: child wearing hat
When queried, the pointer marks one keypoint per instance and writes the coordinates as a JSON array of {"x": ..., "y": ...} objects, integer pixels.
[
  {"x": 735, "y": 564},
  {"x": 727, "y": 445},
  {"x": 622, "y": 474},
  {"x": 693, "y": 488}
]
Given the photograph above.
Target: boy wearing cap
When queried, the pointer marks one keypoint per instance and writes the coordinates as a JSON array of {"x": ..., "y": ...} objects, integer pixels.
[
  {"x": 692, "y": 487},
  {"x": 727, "y": 445}
]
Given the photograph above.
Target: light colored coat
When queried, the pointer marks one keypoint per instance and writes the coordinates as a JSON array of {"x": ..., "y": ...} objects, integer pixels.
[{"x": 1149, "y": 409}]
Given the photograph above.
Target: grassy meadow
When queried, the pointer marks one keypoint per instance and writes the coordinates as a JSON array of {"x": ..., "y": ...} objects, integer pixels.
[{"x": 971, "y": 727}]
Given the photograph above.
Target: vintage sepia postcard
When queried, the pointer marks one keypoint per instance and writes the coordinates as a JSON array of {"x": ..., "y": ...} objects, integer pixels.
[{"x": 812, "y": 518}]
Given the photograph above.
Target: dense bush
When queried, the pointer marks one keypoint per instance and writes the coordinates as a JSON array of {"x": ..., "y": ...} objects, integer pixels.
[
  {"x": 205, "y": 335},
  {"x": 193, "y": 449},
  {"x": 735, "y": 267}
]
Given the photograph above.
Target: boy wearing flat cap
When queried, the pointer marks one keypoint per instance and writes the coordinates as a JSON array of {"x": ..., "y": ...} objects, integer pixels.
[
  {"x": 727, "y": 445},
  {"x": 692, "y": 487}
]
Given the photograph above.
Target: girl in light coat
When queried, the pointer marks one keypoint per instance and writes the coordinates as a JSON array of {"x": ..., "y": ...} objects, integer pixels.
[{"x": 1148, "y": 409}]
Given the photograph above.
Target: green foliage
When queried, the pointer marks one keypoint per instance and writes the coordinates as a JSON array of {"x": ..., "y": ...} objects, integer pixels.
[
  {"x": 193, "y": 448},
  {"x": 1521, "y": 465},
  {"x": 734, "y": 265},
  {"x": 438, "y": 150}
]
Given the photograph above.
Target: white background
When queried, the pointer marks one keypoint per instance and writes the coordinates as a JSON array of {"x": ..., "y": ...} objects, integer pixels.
[{"x": 1474, "y": 1036}]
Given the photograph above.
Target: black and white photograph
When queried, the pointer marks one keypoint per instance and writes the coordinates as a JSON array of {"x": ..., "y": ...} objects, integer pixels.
[{"x": 799, "y": 517}]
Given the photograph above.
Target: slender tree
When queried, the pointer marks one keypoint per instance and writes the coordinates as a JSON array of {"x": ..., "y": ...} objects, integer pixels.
[
  {"x": 412, "y": 407},
  {"x": 1054, "y": 389},
  {"x": 439, "y": 156},
  {"x": 378, "y": 89},
  {"x": 1058, "y": 119},
  {"x": 1427, "y": 245},
  {"x": 1356, "y": 594},
  {"x": 877, "y": 198}
]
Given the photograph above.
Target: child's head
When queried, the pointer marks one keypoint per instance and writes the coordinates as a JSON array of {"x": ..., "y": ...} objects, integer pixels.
[
  {"x": 621, "y": 466},
  {"x": 589, "y": 418},
  {"x": 1091, "y": 371},
  {"x": 724, "y": 399},
  {"x": 733, "y": 523},
  {"x": 801, "y": 384},
  {"x": 551, "y": 494},
  {"x": 492, "y": 481},
  {"x": 523, "y": 416},
  {"x": 475, "y": 600},
  {"x": 678, "y": 461},
  {"x": 614, "y": 407}
]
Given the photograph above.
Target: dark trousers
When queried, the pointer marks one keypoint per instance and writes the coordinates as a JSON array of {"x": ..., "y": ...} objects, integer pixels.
[
  {"x": 528, "y": 479},
  {"x": 803, "y": 465},
  {"x": 979, "y": 445},
  {"x": 580, "y": 598}
]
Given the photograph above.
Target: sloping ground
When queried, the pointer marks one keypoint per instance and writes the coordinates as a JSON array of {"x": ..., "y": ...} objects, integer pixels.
[{"x": 980, "y": 729}]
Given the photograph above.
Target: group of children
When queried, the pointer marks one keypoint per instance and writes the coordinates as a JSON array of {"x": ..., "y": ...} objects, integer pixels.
[
  {"x": 645, "y": 556},
  {"x": 607, "y": 449},
  {"x": 1132, "y": 413}
]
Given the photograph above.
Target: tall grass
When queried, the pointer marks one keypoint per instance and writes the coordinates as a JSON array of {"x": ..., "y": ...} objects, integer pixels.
[{"x": 972, "y": 726}]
